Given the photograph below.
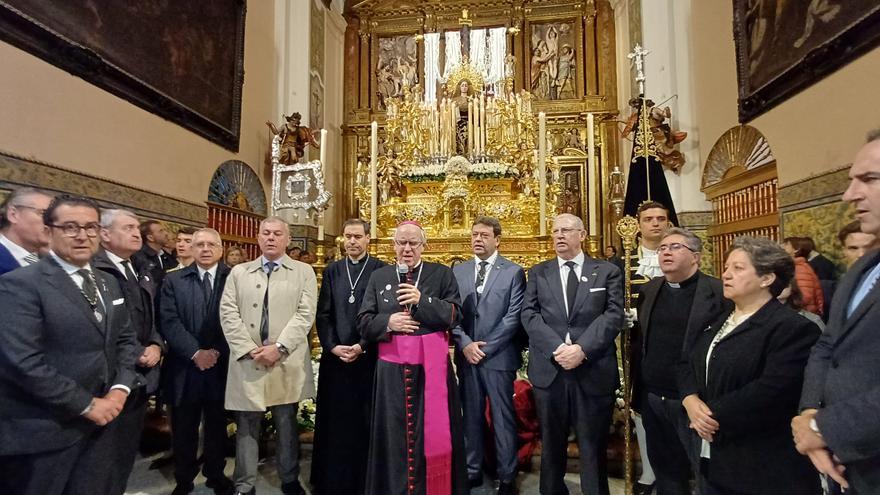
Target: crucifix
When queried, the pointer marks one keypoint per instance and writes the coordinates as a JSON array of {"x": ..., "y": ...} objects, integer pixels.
[{"x": 638, "y": 58}]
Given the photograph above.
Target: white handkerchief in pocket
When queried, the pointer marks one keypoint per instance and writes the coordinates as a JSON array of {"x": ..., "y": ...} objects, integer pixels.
[
  {"x": 596, "y": 289},
  {"x": 117, "y": 302}
]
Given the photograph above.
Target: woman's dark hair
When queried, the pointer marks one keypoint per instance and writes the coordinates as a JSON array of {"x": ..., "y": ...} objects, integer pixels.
[
  {"x": 795, "y": 297},
  {"x": 767, "y": 257},
  {"x": 801, "y": 247}
]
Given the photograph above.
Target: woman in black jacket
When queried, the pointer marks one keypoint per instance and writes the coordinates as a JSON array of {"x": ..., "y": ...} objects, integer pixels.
[{"x": 745, "y": 376}]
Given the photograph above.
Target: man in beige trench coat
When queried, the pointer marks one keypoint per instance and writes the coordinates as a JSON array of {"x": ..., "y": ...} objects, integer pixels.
[{"x": 267, "y": 310}]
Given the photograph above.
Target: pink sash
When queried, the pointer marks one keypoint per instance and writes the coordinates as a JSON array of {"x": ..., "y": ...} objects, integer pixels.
[{"x": 431, "y": 351}]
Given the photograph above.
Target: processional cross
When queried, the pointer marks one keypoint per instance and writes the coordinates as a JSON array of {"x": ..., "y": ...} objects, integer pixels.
[{"x": 638, "y": 58}]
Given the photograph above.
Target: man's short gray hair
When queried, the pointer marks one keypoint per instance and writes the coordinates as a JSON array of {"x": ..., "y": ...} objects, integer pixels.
[
  {"x": 209, "y": 231},
  {"x": 690, "y": 239},
  {"x": 273, "y": 219},
  {"x": 108, "y": 217},
  {"x": 422, "y": 232},
  {"x": 873, "y": 135}
]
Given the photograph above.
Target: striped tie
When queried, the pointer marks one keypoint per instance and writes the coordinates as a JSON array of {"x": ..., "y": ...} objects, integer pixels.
[{"x": 31, "y": 258}]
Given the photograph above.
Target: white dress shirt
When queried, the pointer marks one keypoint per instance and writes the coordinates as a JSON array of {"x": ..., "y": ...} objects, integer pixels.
[
  {"x": 563, "y": 274},
  {"x": 17, "y": 252},
  {"x": 117, "y": 261},
  {"x": 212, "y": 271},
  {"x": 491, "y": 263}
]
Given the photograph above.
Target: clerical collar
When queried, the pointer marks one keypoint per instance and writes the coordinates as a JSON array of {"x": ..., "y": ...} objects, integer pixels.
[
  {"x": 364, "y": 257},
  {"x": 684, "y": 283}
]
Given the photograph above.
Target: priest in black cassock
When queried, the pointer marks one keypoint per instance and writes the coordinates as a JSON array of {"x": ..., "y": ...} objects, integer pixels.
[
  {"x": 348, "y": 362},
  {"x": 416, "y": 438}
]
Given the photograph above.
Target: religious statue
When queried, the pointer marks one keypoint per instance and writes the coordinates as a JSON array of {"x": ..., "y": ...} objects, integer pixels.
[
  {"x": 294, "y": 138},
  {"x": 239, "y": 200},
  {"x": 665, "y": 137},
  {"x": 461, "y": 100}
]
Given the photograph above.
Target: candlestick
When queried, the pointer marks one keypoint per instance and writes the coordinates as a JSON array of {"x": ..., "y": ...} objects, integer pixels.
[
  {"x": 323, "y": 148},
  {"x": 374, "y": 179},
  {"x": 591, "y": 166},
  {"x": 542, "y": 172}
]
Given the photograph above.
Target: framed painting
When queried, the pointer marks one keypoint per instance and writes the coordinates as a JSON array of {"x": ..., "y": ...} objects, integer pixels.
[
  {"x": 553, "y": 59},
  {"x": 396, "y": 65},
  {"x": 181, "y": 60},
  {"x": 783, "y": 46}
]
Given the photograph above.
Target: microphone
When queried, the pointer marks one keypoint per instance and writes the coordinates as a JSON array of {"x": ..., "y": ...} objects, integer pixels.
[
  {"x": 403, "y": 273},
  {"x": 404, "y": 276}
]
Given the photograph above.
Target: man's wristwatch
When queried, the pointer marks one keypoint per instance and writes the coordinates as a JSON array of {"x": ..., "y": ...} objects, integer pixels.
[{"x": 281, "y": 348}]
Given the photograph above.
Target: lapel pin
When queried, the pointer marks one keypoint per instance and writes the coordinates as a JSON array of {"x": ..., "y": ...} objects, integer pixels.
[
  {"x": 388, "y": 287},
  {"x": 583, "y": 279}
]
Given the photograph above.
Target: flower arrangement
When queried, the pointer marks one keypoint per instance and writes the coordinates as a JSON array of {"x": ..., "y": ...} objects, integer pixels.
[
  {"x": 308, "y": 408},
  {"x": 429, "y": 172}
]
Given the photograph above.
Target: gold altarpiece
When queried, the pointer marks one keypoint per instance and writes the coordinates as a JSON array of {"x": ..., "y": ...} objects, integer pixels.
[{"x": 465, "y": 184}]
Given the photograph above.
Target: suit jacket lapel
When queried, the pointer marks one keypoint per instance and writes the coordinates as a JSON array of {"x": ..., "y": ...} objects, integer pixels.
[
  {"x": 873, "y": 297},
  {"x": 58, "y": 278},
  {"x": 589, "y": 270},
  {"x": 491, "y": 276},
  {"x": 555, "y": 283}
]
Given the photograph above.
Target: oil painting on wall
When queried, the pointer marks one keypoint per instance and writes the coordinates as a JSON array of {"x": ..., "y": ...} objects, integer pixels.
[
  {"x": 181, "y": 60},
  {"x": 552, "y": 67},
  {"x": 396, "y": 66},
  {"x": 784, "y": 46}
]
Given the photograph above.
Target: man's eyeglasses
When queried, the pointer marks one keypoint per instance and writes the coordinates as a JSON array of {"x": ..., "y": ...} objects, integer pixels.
[
  {"x": 72, "y": 229},
  {"x": 412, "y": 244},
  {"x": 38, "y": 211},
  {"x": 674, "y": 247},
  {"x": 564, "y": 231}
]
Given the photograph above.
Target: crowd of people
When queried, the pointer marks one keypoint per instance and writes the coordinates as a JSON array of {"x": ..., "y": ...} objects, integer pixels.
[{"x": 737, "y": 387}]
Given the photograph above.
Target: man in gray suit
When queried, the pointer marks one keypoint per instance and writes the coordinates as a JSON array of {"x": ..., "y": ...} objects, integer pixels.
[
  {"x": 487, "y": 357},
  {"x": 67, "y": 358},
  {"x": 572, "y": 311},
  {"x": 840, "y": 402}
]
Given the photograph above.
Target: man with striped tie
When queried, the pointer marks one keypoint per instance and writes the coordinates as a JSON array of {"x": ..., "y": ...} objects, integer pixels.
[
  {"x": 22, "y": 233},
  {"x": 67, "y": 358}
]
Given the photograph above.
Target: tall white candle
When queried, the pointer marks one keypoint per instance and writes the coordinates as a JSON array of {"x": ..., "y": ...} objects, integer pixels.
[
  {"x": 321, "y": 227},
  {"x": 483, "y": 124},
  {"x": 542, "y": 172},
  {"x": 324, "y": 149},
  {"x": 592, "y": 211},
  {"x": 374, "y": 179},
  {"x": 470, "y": 145}
]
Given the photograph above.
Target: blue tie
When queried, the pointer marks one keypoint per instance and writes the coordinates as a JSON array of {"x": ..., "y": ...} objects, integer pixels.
[{"x": 864, "y": 289}]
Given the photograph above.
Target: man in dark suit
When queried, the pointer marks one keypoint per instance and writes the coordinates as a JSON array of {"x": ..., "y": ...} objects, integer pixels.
[
  {"x": 487, "y": 357},
  {"x": 120, "y": 239},
  {"x": 672, "y": 311},
  {"x": 22, "y": 232},
  {"x": 196, "y": 363},
  {"x": 572, "y": 311},
  {"x": 840, "y": 403},
  {"x": 66, "y": 360},
  {"x": 151, "y": 260}
]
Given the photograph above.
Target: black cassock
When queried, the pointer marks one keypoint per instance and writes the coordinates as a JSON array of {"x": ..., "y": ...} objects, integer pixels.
[
  {"x": 397, "y": 462},
  {"x": 342, "y": 422}
]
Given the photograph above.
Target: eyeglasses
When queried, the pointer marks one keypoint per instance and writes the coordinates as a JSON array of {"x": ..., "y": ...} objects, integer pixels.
[
  {"x": 412, "y": 244},
  {"x": 564, "y": 231},
  {"x": 206, "y": 244},
  {"x": 72, "y": 229},
  {"x": 674, "y": 247},
  {"x": 38, "y": 211}
]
